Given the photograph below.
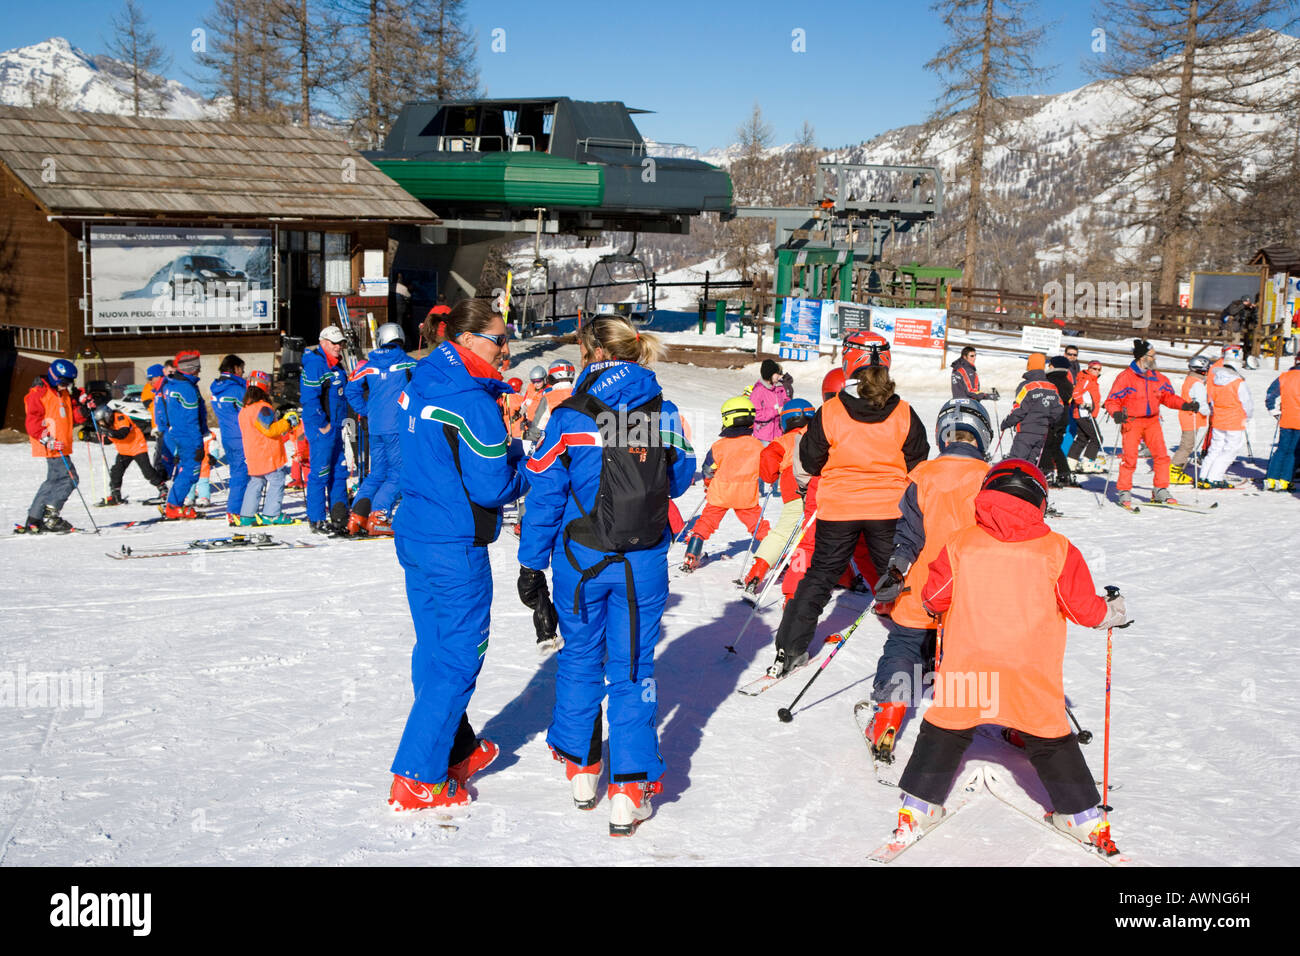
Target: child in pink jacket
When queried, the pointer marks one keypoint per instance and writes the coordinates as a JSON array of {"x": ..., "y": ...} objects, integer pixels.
[{"x": 769, "y": 394}]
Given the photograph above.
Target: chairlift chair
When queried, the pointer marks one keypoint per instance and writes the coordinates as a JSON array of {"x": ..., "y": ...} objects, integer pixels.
[
  {"x": 534, "y": 313},
  {"x": 620, "y": 268}
]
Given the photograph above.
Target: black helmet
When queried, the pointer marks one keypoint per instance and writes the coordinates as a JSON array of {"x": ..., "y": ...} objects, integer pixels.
[{"x": 1018, "y": 478}]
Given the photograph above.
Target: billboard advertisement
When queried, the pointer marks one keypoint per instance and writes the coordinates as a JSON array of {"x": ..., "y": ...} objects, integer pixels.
[
  {"x": 146, "y": 277},
  {"x": 918, "y": 328},
  {"x": 801, "y": 327}
]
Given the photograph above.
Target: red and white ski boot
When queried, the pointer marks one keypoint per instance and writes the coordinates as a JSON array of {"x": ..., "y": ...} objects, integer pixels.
[
  {"x": 629, "y": 805},
  {"x": 882, "y": 732},
  {"x": 583, "y": 780},
  {"x": 485, "y": 751},
  {"x": 408, "y": 794}
]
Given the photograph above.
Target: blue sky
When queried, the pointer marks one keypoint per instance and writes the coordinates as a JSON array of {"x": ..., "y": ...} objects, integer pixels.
[{"x": 700, "y": 66}]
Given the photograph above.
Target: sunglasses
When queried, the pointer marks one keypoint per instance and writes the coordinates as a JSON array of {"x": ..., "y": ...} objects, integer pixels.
[{"x": 497, "y": 340}]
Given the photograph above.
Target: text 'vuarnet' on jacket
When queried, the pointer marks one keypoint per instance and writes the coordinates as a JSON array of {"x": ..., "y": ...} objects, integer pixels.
[{"x": 452, "y": 425}]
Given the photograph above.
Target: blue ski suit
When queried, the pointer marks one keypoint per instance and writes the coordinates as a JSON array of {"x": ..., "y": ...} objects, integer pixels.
[
  {"x": 227, "y": 399},
  {"x": 601, "y": 654},
  {"x": 323, "y": 406},
  {"x": 373, "y": 391},
  {"x": 187, "y": 423},
  {"x": 460, "y": 468}
]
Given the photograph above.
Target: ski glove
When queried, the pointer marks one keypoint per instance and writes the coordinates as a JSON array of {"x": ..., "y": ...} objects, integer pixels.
[
  {"x": 52, "y": 444},
  {"x": 1119, "y": 417},
  {"x": 889, "y": 587},
  {"x": 536, "y": 594},
  {"x": 293, "y": 419},
  {"x": 1192, "y": 406},
  {"x": 1116, "y": 612},
  {"x": 993, "y": 394}
]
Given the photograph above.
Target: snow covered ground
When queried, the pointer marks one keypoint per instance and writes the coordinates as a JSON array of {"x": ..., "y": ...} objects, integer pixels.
[{"x": 251, "y": 703}]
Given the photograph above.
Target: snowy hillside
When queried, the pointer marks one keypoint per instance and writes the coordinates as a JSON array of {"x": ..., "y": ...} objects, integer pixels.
[
  {"x": 251, "y": 703},
  {"x": 56, "y": 73}
]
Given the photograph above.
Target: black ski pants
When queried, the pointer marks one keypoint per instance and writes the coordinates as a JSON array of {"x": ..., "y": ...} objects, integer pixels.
[
  {"x": 1052, "y": 458},
  {"x": 1087, "y": 439},
  {"x": 1057, "y": 760},
  {"x": 122, "y": 462},
  {"x": 832, "y": 552}
]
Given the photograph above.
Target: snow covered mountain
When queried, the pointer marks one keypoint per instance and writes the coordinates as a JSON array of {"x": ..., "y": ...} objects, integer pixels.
[{"x": 55, "y": 73}]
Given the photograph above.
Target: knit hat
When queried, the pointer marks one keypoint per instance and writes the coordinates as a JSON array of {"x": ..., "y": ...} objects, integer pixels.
[
  {"x": 769, "y": 369},
  {"x": 1140, "y": 348},
  {"x": 1060, "y": 361},
  {"x": 1037, "y": 360},
  {"x": 187, "y": 362}
]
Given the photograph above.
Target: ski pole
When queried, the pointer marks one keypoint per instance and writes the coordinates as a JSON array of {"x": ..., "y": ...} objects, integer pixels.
[
  {"x": 772, "y": 578},
  {"x": 786, "y": 714},
  {"x": 997, "y": 417},
  {"x": 1196, "y": 468},
  {"x": 1111, "y": 591},
  {"x": 753, "y": 535},
  {"x": 1084, "y": 736},
  {"x": 73, "y": 478},
  {"x": 100, "y": 436},
  {"x": 686, "y": 524},
  {"x": 1114, "y": 453}
]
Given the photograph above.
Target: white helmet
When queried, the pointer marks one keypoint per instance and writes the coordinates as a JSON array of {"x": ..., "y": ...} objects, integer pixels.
[
  {"x": 388, "y": 333},
  {"x": 964, "y": 415}
]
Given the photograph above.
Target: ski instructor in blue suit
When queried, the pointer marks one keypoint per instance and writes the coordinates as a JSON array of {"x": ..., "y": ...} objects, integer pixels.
[
  {"x": 460, "y": 467},
  {"x": 610, "y": 600}
]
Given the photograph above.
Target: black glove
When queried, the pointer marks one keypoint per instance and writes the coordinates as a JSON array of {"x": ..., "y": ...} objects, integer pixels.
[
  {"x": 1192, "y": 406},
  {"x": 890, "y": 586},
  {"x": 993, "y": 394},
  {"x": 536, "y": 594},
  {"x": 1119, "y": 417},
  {"x": 1006, "y": 423},
  {"x": 198, "y": 454}
]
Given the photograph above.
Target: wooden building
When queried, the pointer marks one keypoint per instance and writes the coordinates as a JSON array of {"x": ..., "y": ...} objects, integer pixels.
[{"x": 125, "y": 239}]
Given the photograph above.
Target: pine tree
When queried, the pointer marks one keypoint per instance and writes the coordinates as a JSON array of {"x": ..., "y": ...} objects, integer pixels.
[
  {"x": 1189, "y": 68},
  {"x": 988, "y": 57},
  {"x": 135, "y": 45}
]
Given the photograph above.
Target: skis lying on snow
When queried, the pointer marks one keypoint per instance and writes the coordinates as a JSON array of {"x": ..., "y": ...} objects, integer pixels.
[
  {"x": 237, "y": 542},
  {"x": 985, "y": 778},
  {"x": 767, "y": 682},
  {"x": 1182, "y": 507}
]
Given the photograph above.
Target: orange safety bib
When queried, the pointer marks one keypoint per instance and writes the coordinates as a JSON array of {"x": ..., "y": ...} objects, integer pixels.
[
  {"x": 57, "y": 421},
  {"x": 1003, "y": 636},
  {"x": 945, "y": 491},
  {"x": 263, "y": 453},
  {"x": 1190, "y": 421},
  {"x": 866, "y": 472},
  {"x": 735, "y": 482},
  {"x": 1229, "y": 414}
]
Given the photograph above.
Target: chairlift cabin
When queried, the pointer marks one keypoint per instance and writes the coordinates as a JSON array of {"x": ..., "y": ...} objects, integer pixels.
[{"x": 615, "y": 270}]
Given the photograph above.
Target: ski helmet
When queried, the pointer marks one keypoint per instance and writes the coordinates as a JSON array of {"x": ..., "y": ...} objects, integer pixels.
[
  {"x": 963, "y": 415},
  {"x": 1199, "y": 364},
  {"x": 1232, "y": 353},
  {"x": 261, "y": 380},
  {"x": 561, "y": 371},
  {"x": 832, "y": 383},
  {"x": 863, "y": 348},
  {"x": 1020, "y": 479},
  {"x": 389, "y": 333},
  {"x": 61, "y": 372},
  {"x": 738, "y": 411},
  {"x": 517, "y": 384},
  {"x": 103, "y": 415},
  {"x": 796, "y": 413},
  {"x": 537, "y": 374}
]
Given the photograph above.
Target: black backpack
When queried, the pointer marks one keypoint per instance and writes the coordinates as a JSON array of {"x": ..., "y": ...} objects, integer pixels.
[
  {"x": 630, "y": 512},
  {"x": 631, "y": 507}
]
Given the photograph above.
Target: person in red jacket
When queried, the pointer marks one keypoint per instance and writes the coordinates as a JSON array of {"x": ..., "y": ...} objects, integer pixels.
[
  {"x": 1134, "y": 403},
  {"x": 1005, "y": 588},
  {"x": 730, "y": 479},
  {"x": 51, "y": 413},
  {"x": 1085, "y": 403}
]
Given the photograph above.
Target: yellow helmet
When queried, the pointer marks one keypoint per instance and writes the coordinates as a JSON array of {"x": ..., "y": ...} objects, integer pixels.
[
  {"x": 749, "y": 389},
  {"x": 736, "y": 410}
]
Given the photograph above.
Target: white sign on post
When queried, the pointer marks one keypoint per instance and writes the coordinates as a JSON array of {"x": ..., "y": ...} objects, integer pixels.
[{"x": 1034, "y": 338}]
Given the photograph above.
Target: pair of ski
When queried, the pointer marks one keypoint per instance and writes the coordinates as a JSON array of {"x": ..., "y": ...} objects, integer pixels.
[
  {"x": 226, "y": 545},
  {"x": 1192, "y": 509},
  {"x": 986, "y": 779}
]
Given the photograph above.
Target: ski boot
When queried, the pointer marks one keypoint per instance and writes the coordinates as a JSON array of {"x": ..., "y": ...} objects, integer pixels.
[
  {"x": 408, "y": 794},
  {"x": 1125, "y": 499},
  {"x": 1283, "y": 485},
  {"x": 1161, "y": 496},
  {"x": 357, "y": 525},
  {"x": 915, "y": 817},
  {"x": 1179, "y": 477},
  {"x": 242, "y": 522},
  {"x": 694, "y": 553},
  {"x": 583, "y": 781},
  {"x": 377, "y": 525},
  {"x": 754, "y": 576},
  {"x": 279, "y": 519},
  {"x": 53, "y": 521},
  {"x": 178, "y": 512},
  {"x": 321, "y": 527},
  {"x": 203, "y": 501},
  {"x": 1088, "y": 827},
  {"x": 485, "y": 751},
  {"x": 31, "y": 526},
  {"x": 629, "y": 805},
  {"x": 114, "y": 498},
  {"x": 339, "y": 518},
  {"x": 882, "y": 732},
  {"x": 784, "y": 664}
]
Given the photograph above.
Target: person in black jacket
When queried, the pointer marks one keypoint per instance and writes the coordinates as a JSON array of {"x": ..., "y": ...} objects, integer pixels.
[
  {"x": 966, "y": 381},
  {"x": 1053, "y": 462},
  {"x": 1037, "y": 408}
]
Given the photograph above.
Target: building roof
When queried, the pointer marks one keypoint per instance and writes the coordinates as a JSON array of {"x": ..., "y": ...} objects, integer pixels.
[
  {"x": 1278, "y": 258},
  {"x": 86, "y": 164}
]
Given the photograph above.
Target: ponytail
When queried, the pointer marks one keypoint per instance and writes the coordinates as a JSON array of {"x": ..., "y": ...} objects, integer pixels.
[
  {"x": 621, "y": 340},
  {"x": 467, "y": 315}
]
